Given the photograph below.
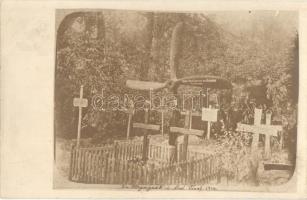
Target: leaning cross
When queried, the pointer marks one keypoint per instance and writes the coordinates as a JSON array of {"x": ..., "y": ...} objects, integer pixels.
[
  {"x": 266, "y": 129},
  {"x": 81, "y": 103}
]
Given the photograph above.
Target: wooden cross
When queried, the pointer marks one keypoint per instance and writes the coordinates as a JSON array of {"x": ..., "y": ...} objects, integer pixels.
[
  {"x": 81, "y": 103},
  {"x": 187, "y": 130},
  {"x": 191, "y": 114},
  {"x": 146, "y": 126},
  {"x": 266, "y": 129},
  {"x": 162, "y": 110}
]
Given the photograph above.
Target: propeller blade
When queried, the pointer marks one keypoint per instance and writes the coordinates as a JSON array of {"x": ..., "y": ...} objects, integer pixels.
[{"x": 144, "y": 85}]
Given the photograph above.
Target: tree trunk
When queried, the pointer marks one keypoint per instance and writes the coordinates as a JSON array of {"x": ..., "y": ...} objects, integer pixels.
[
  {"x": 175, "y": 48},
  {"x": 148, "y": 45},
  {"x": 153, "y": 73},
  {"x": 100, "y": 26},
  {"x": 101, "y": 33}
]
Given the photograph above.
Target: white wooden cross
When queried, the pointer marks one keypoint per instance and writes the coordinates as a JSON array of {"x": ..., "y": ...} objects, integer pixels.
[
  {"x": 266, "y": 129},
  {"x": 81, "y": 103}
]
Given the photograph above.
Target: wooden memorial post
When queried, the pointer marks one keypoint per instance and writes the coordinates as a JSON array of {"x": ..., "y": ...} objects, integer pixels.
[
  {"x": 266, "y": 129},
  {"x": 81, "y": 103},
  {"x": 130, "y": 115},
  {"x": 257, "y": 121},
  {"x": 162, "y": 111},
  {"x": 209, "y": 115},
  {"x": 130, "y": 111},
  {"x": 162, "y": 123},
  {"x": 145, "y": 139},
  {"x": 187, "y": 122},
  {"x": 276, "y": 128}
]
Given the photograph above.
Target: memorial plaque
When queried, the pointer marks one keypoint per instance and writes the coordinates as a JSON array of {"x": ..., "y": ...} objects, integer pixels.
[
  {"x": 80, "y": 102},
  {"x": 209, "y": 114}
]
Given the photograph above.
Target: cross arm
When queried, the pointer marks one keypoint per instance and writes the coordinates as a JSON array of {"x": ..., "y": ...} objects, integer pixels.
[
  {"x": 261, "y": 129},
  {"x": 185, "y": 131},
  {"x": 146, "y": 126}
]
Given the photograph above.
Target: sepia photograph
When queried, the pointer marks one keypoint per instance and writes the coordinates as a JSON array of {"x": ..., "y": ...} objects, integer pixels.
[{"x": 149, "y": 100}]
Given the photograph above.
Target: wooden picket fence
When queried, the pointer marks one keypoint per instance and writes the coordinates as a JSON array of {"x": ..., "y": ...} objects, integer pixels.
[
  {"x": 127, "y": 149},
  {"x": 123, "y": 163},
  {"x": 101, "y": 166},
  {"x": 161, "y": 153},
  {"x": 165, "y": 153}
]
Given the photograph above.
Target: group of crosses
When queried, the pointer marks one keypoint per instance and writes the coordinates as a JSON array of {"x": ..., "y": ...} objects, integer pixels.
[
  {"x": 208, "y": 114},
  {"x": 185, "y": 131}
]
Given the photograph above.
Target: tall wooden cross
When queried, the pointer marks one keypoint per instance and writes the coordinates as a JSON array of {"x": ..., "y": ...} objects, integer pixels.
[
  {"x": 266, "y": 129},
  {"x": 146, "y": 126},
  {"x": 81, "y": 103}
]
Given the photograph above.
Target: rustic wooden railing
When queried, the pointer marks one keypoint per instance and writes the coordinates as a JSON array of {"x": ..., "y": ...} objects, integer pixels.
[{"x": 122, "y": 163}]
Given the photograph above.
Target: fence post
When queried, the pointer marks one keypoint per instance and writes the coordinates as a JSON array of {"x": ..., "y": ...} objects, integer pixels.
[
  {"x": 71, "y": 167},
  {"x": 116, "y": 150},
  {"x": 145, "y": 147},
  {"x": 79, "y": 168},
  {"x": 83, "y": 164},
  {"x": 106, "y": 168}
]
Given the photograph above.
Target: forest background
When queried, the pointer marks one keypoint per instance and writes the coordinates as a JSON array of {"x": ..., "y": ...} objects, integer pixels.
[{"x": 256, "y": 50}]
